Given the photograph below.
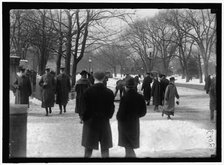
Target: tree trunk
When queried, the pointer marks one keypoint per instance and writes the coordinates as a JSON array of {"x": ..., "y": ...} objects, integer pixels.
[
  {"x": 68, "y": 46},
  {"x": 200, "y": 69},
  {"x": 59, "y": 57}
]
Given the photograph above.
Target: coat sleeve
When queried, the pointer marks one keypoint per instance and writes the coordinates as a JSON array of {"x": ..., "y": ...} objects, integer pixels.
[
  {"x": 112, "y": 106},
  {"x": 176, "y": 93},
  {"x": 121, "y": 110},
  {"x": 142, "y": 107},
  {"x": 29, "y": 86},
  {"x": 166, "y": 95},
  {"x": 41, "y": 81},
  {"x": 68, "y": 84}
]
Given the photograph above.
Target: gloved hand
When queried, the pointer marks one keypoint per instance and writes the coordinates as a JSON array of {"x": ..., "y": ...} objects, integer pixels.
[{"x": 177, "y": 102}]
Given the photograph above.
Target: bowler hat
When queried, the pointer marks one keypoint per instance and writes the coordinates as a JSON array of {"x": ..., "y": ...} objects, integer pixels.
[
  {"x": 83, "y": 72},
  {"x": 99, "y": 75},
  {"x": 130, "y": 83},
  {"x": 172, "y": 79}
]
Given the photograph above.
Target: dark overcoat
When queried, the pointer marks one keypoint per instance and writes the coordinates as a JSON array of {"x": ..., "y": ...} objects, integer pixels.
[
  {"x": 163, "y": 84},
  {"x": 80, "y": 87},
  {"x": 169, "y": 99},
  {"x": 156, "y": 93},
  {"x": 23, "y": 90},
  {"x": 146, "y": 87},
  {"x": 98, "y": 109},
  {"x": 212, "y": 94},
  {"x": 63, "y": 87},
  {"x": 48, "y": 83},
  {"x": 131, "y": 108}
]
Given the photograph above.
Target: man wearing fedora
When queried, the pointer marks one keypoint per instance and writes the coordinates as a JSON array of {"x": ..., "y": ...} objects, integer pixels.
[
  {"x": 22, "y": 86},
  {"x": 47, "y": 82},
  {"x": 63, "y": 88},
  {"x": 80, "y": 87},
  {"x": 169, "y": 99},
  {"x": 98, "y": 109},
  {"x": 132, "y": 107}
]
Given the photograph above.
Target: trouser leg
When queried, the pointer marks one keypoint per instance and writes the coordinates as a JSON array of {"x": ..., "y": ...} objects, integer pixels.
[
  {"x": 129, "y": 152},
  {"x": 46, "y": 111},
  {"x": 104, "y": 152},
  {"x": 60, "y": 107},
  {"x": 88, "y": 152},
  {"x": 64, "y": 108},
  {"x": 50, "y": 109}
]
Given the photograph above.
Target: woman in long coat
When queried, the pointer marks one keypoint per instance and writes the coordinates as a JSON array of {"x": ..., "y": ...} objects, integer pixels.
[
  {"x": 23, "y": 90},
  {"x": 131, "y": 108},
  {"x": 47, "y": 82},
  {"x": 146, "y": 87},
  {"x": 63, "y": 88},
  {"x": 169, "y": 98},
  {"x": 80, "y": 87},
  {"x": 98, "y": 109},
  {"x": 156, "y": 93}
]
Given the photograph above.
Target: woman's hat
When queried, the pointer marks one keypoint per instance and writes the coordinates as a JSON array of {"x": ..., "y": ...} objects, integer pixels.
[
  {"x": 130, "y": 83},
  {"x": 172, "y": 79},
  {"x": 83, "y": 72}
]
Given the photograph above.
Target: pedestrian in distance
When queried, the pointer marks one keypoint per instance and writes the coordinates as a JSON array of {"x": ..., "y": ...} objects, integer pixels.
[
  {"x": 91, "y": 78},
  {"x": 163, "y": 84},
  {"x": 22, "y": 86},
  {"x": 169, "y": 99},
  {"x": 80, "y": 87},
  {"x": 212, "y": 96},
  {"x": 47, "y": 83},
  {"x": 156, "y": 93},
  {"x": 207, "y": 83},
  {"x": 132, "y": 107},
  {"x": 146, "y": 87},
  {"x": 98, "y": 109},
  {"x": 63, "y": 87}
]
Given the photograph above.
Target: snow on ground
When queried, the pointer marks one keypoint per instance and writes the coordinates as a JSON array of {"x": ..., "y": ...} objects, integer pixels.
[
  {"x": 157, "y": 136},
  {"x": 161, "y": 136}
]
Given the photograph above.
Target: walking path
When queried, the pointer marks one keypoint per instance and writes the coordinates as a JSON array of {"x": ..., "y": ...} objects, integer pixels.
[{"x": 186, "y": 135}]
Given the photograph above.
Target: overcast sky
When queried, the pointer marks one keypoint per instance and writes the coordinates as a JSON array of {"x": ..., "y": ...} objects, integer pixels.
[{"x": 146, "y": 12}]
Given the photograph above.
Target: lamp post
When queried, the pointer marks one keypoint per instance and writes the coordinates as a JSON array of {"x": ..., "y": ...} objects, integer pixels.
[{"x": 90, "y": 61}]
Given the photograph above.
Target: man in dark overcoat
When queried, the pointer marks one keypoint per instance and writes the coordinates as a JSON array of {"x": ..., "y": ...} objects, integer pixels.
[
  {"x": 146, "y": 87},
  {"x": 63, "y": 87},
  {"x": 47, "y": 83},
  {"x": 131, "y": 108},
  {"x": 164, "y": 82},
  {"x": 80, "y": 87},
  {"x": 22, "y": 85},
  {"x": 98, "y": 109},
  {"x": 156, "y": 93},
  {"x": 212, "y": 96}
]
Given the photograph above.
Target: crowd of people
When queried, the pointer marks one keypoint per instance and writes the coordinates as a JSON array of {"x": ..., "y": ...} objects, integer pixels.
[{"x": 95, "y": 103}]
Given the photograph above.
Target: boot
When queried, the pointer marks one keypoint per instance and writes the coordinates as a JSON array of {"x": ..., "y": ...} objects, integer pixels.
[
  {"x": 64, "y": 108},
  {"x": 60, "y": 107},
  {"x": 50, "y": 110},
  {"x": 46, "y": 112}
]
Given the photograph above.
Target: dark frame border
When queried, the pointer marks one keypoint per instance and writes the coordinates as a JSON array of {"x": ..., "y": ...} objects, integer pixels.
[{"x": 7, "y": 6}]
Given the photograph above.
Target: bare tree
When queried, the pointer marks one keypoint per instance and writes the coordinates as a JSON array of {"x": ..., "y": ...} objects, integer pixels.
[{"x": 199, "y": 25}]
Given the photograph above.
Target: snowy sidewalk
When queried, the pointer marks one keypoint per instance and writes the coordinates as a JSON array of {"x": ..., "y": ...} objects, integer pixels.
[{"x": 187, "y": 135}]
